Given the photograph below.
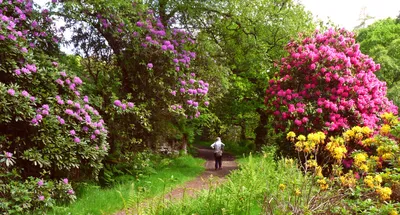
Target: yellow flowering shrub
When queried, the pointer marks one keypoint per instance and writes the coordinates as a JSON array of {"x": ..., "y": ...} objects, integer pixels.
[
  {"x": 360, "y": 158},
  {"x": 384, "y": 193}
]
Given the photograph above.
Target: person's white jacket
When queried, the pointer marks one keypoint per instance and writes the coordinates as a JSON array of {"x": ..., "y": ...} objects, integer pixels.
[{"x": 218, "y": 145}]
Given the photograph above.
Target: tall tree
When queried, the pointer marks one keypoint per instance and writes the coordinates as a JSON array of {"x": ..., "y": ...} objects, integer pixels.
[
  {"x": 130, "y": 53},
  {"x": 247, "y": 37},
  {"x": 381, "y": 41}
]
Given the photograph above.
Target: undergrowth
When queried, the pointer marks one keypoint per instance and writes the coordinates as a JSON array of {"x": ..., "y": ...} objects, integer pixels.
[
  {"x": 95, "y": 200},
  {"x": 252, "y": 189}
]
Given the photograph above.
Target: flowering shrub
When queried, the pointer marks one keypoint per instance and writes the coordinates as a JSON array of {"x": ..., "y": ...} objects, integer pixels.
[
  {"x": 47, "y": 128},
  {"x": 155, "y": 59},
  {"x": 360, "y": 163},
  {"x": 326, "y": 84}
]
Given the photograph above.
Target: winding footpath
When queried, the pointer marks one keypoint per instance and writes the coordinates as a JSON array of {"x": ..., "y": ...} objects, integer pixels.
[
  {"x": 210, "y": 177},
  {"x": 203, "y": 181}
]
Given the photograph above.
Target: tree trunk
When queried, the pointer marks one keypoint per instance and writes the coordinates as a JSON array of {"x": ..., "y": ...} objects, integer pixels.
[
  {"x": 261, "y": 130},
  {"x": 242, "y": 130},
  {"x": 184, "y": 144}
]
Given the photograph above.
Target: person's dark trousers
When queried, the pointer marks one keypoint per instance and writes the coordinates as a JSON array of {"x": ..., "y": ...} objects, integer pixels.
[{"x": 218, "y": 161}]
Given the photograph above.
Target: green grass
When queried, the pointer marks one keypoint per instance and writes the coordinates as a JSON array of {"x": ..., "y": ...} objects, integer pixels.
[{"x": 95, "y": 200}]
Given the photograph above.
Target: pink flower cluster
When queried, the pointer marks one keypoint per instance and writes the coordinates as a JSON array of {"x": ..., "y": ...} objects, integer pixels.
[
  {"x": 40, "y": 113},
  {"x": 124, "y": 106},
  {"x": 326, "y": 83},
  {"x": 8, "y": 155}
]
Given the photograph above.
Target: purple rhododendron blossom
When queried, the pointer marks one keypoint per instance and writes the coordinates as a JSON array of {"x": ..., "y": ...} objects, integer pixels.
[{"x": 11, "y": 92}]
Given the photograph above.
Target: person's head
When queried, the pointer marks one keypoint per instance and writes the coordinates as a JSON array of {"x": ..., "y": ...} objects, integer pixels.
[{"x": 218, "y": 138}]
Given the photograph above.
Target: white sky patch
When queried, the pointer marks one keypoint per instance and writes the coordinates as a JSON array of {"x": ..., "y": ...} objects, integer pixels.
[{"x": 346, "y": 13}]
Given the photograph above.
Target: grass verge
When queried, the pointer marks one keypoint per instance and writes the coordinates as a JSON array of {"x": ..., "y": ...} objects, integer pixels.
[
  {"x": 248, "y": 190},
  {"x": 95, "y": 200}
]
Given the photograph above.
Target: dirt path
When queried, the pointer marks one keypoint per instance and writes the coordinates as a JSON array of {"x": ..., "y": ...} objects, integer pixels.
[{"x": 201, "y": 182}]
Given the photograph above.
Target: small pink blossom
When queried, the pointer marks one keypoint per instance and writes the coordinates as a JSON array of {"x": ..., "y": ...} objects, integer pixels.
[{"x": 11, "y": 92}]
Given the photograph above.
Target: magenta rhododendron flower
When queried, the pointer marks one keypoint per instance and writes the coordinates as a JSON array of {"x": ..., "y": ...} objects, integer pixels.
[
  {"x": 149, "y": 65},
  {"x": 117, "y": 103},
  {"x": 24, "y": 93},
  {"x": 11, "y": 92},
  {"x": 8, "y": 155},
  {"x": 65, "y": 180}
]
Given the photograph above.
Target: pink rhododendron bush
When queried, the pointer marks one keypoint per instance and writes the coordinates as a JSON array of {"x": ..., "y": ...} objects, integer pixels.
[
  {"x": 326, "y": 84},
  {"x": 339, "y": 123},
  {"x": 49, "y": 131}
]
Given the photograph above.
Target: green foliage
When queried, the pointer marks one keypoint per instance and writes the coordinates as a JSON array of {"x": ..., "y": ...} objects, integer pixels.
[
  {"x": 244, "y": 38},
  {"x": 381, "y": 41}
]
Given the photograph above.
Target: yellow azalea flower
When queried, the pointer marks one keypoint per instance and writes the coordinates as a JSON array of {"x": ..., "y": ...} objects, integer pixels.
[
  {"x": 339, "y": 153},
  {"x": 360, "y": 158},
  {"x": 390, "y": 119},
  {"x": 311, "y": 163},
  {"x": 368, "y": 141},
  {"x": 282, "y": 187},
  {"x": 321, "y": 136},
  {"x": 301, "y": 137},
  {"x": 297, "y": 192},
  {"x": 366, "y": 130},
  {"x": 359, "y": 136},
  {"x": 393, "y": 212},
  {"x": 385, "y": 129},
  {"x": 387, "y": 156},
  {"x": 357, "y": 129},
  {"x": 322, "y": 184},
  {"x": 378, "y": 178},
  {"x": 375, "y": 158},
  {"x": 384, "y": 193},
  {"x": 333, "y": 143},
  {"x": 348, "y": 135},
  {"x": 290, "y": 136},
  {"x": 318, "y": 171},
  {"x": 382, "y": 150},
  {"x": 369, "y": 181},
  {"x": 299, "y": 146},
  {"x": 364, "y": 168},
  {"x": 348, "y": 179},
  {"x": 387, "y": 116}
]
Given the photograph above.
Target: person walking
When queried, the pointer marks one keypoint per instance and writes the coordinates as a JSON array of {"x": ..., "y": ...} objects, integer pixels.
[{"x": 218, "y": 147}]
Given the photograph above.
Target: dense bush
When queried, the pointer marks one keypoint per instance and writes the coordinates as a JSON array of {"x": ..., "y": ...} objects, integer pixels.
[
  {"x": 48, "y": 130},
  {"x": 326, "y": 84}
]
